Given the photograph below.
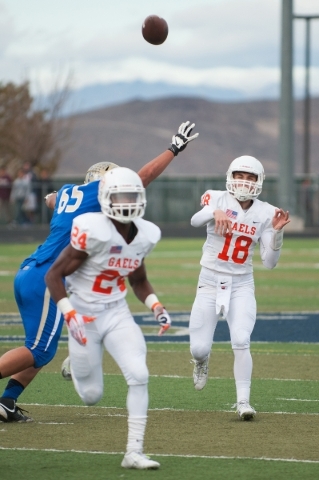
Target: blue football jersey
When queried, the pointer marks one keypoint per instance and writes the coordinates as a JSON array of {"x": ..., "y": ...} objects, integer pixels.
[{"x": 71, "y": 201}]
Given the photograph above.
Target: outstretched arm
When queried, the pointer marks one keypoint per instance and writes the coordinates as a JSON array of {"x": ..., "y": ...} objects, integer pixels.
[{"x": 155, "y": 167}]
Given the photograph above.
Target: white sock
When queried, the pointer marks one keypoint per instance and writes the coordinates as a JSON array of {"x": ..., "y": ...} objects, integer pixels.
[
  {"x": 243, "y": 367},
  {"x": 137, "y": 405},
  {"x": 136, "y": 430}
]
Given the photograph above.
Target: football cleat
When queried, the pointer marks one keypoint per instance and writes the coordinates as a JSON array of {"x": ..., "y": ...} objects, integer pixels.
[
  {"x": 200, "y": 373},
  {"x": 139, "y": 461},
  {"x": 66, "y": 369},
  {"x": 9, "y": 412},
  {"x": 245, "y": 411}
]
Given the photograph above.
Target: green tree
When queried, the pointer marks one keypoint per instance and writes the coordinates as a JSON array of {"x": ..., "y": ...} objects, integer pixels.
[{"x": 28, "y": 133}]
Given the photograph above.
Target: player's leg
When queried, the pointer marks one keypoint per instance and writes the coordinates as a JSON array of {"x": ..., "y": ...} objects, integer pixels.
[
  {"x": 203, "y": 321},
  {"x": 19, "y": 358},
  {"x": 86, "y": 365},
  {"x": 43, "y": 324},
  {"x": 241, "y": 320},
  {"x": 22, "y": 378},
  {"x": 15, "y": 360},
  {"x": 126, "y": 344},
  {"x": 42, "y": 321}
]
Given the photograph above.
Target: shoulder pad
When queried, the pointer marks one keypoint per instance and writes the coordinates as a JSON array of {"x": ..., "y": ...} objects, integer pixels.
[{"x": 151, "y": 231}]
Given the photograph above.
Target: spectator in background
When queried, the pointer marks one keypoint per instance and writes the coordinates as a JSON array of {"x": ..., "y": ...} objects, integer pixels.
[
  {"x": 21, "y": 188},
  {"x": 30, "y": 205},
  {"x": 43, "y": 188},
  {"x": 5, "y": 191},
  {"x": 30, "y": 174}
]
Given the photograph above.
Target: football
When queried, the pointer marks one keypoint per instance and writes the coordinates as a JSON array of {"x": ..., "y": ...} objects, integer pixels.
[{"x": 155, "y": 30}]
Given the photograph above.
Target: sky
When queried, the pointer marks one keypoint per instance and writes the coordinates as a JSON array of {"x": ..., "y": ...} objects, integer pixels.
[{"x": 215, "y": 43}]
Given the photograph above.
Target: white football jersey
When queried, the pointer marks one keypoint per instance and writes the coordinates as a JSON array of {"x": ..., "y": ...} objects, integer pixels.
[
  {"x": 101, "y": 277},
  {"x": 233, "y": 253}
]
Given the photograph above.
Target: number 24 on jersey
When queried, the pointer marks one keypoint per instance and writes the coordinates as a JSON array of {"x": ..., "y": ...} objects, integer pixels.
[{"x": 78, "y": 238}]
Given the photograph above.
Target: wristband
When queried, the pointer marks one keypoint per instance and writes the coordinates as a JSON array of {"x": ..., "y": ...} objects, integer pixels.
[
  {"x": 64, "y": 305},
  {"x": 173, "y": 149},
  {"x": 151, "y": 301}
]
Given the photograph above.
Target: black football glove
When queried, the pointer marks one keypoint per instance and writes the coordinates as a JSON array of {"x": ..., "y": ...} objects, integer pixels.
[{"x": 182, "y": 138}]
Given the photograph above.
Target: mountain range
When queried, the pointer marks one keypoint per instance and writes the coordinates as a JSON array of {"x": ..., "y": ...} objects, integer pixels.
[
  {"x": 99, "y": 95},
  {"x": 134, "y": 132}
]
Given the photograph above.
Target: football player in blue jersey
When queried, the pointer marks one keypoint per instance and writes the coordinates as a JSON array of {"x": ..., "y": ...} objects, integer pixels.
[{"x": 42, "y": 321}]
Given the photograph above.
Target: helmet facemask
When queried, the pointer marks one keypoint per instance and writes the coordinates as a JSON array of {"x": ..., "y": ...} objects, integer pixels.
[
  {"x": 122, "y": 195},
  {"x": 241, "y": 189}
]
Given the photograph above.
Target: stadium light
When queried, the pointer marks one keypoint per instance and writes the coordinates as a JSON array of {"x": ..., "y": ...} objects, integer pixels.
[{"x": 306, "y": 162}]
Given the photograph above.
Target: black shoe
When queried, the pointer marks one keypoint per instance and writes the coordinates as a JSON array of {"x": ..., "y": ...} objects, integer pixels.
[{"x": 9, "y": 412}]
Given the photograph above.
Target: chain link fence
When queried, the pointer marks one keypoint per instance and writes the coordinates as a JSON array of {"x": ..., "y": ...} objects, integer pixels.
[{"x": 173, "y": 201}]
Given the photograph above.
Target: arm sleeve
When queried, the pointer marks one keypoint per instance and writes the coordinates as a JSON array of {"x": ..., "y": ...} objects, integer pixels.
[
  {"x": 202, "y": 217},
  {"x": 270, "y": 247}
]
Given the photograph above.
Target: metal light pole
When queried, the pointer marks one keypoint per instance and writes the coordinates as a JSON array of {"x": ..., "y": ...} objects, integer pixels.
[
  {"x": 306, "y": 164},
  {"x": 286, "y": 114}
]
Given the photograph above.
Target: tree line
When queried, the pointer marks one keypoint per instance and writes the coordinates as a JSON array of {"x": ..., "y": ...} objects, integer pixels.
[{"x": 29, "y": 132}]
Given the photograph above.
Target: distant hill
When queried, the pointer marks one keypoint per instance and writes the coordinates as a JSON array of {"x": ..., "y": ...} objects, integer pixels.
[
  {"x": 102, "y": 95},
  {"x": 133, "y": 133}
]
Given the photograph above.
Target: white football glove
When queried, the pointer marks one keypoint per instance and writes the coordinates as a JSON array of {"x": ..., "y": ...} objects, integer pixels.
[
  {"x": 182, "y": 138},
  {"x": 75, "y": 323},
  {"x": 163, "y": 318}
]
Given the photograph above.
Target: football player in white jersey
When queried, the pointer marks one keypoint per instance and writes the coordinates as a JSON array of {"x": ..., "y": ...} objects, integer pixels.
[
  {"x": 236, "y": 221},
  {"x": 105, "y": 249},
  {"x": 41, "y": 319}
]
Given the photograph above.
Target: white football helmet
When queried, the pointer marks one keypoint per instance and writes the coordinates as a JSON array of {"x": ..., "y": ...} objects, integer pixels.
[
  {"x": 122, "y": 195},
  {"x": 96, "y": 171},
  {"x": 243, "y": 189}
]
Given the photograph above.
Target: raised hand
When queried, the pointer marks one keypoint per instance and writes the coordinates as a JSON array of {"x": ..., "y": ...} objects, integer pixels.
[
  {"x": 182, "y": 138},
  {"x": 280, "y": 219}
]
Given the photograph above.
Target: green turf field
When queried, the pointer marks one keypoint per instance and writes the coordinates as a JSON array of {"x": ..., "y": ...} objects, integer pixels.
[
  {"x": 173, "y": 268},
  {"x": 194, "y": 435}
]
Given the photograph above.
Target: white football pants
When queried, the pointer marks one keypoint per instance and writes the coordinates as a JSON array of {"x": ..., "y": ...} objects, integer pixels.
[
  {"x": 115, "y": 330},
  {"x": 241, "y": 319}
]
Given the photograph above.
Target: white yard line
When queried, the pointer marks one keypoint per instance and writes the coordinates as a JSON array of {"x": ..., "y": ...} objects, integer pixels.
[
  {"x": 213, "y": 457},
  {"x": 161, "y": 409},
  {"x": 189, "y": 377},
  {"x": 297, "y": 400}
]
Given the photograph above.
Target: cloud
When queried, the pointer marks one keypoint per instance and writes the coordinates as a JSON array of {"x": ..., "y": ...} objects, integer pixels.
[
  {"x": 7, "y": 31},
  {"x": 222, "y": 33},
  {"x": 227, "y": 43},
  {"x": 248, "y": 81}
]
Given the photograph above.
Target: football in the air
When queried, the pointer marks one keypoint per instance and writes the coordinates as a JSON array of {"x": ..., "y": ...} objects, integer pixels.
[{"x": 155, "y": 30}]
